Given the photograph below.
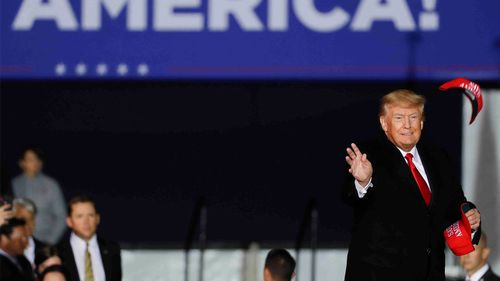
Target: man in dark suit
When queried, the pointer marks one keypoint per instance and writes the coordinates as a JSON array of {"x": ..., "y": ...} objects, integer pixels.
[
  {"x": 25, "y": 209},
  {"x": 13, "y": 240},
  {"x": 84, "y": 255},
  {"x": 404, "y": 194},
  {"x": 475, "y": 263}
]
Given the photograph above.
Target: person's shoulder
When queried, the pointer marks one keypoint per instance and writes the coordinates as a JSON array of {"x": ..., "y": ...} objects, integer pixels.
[
  {"x": 64, "y": 244},
  {"x": 491, "y": 276},
  {"x": 49, "y": 180},
  {"x": 432, "y": 149},
  {"x": 109, "y": 244},
  {"x": 376, "y": 147},
  {"x": 17, "y": 180}
]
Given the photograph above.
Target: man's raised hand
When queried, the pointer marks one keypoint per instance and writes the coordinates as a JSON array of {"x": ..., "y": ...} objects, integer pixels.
[{"x": 360, "y": 167}]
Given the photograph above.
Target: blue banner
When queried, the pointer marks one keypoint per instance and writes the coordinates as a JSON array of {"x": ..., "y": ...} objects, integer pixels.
[{"x": 250, "y": 39}]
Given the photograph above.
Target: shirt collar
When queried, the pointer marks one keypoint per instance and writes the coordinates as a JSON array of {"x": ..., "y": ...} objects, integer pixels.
[
  {"x": 413, "y": 151},
  {"x": 80, "y": 243},
  {"x": 478, "y": 274}
]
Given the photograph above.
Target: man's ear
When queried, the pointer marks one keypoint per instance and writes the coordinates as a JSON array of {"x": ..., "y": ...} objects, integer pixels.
[
  {"x": 293, "y": 275},
  {"x": 69, "y": 222},
  {"x": 485, "y": 253},
  {"x": 98, "y": 218},
  {"x": 383, "y": 123},
  {"x": 267, "y": 275},
  {"x": 422, "y": 124}
]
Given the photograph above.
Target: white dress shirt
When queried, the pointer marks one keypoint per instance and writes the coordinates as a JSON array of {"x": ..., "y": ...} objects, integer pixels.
[
  {"x": 362, "y": 190},
  {"x": 478, "y": 274},
  {"x": 78, "y": 246},
  {"x": 29, "y": 252}
]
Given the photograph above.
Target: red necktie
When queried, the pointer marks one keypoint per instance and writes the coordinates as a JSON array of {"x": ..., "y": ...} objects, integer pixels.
[{"x": 422, "y": 185}]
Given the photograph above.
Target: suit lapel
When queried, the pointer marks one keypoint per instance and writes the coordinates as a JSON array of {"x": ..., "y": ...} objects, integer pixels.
[
  {"x": 70, "y": 261},
  {"x": 106, "y": 262},
  {"x": 403, "y": 173}
]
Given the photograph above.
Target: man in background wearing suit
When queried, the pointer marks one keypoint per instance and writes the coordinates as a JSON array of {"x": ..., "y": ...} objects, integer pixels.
[
  {"x": 85, "y": 256},
  {"x": 475, "y": 263},
  {"x": 25, "y": 209},
  {"x": 404, "y": 194},
  {"x": 13, "y": 240},
  {"x": 279, "y": 266}
]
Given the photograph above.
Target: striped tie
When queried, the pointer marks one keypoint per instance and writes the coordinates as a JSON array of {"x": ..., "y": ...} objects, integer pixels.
[{"x": 89, "y": 274}]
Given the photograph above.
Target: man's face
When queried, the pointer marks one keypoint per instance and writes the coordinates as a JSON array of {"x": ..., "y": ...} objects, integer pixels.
[
  {"x": 23, "y": 213},
  {"x": 30, "y": 163},
  {"x": 475, "y": 260},
  {"x": 83, "y": 220},
  {"x": 16, "y": 243},
  {"x": 402, "y": 125}
]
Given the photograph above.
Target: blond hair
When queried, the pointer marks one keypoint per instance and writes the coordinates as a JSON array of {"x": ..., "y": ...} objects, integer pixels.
[{"x": 402, "y": 97}]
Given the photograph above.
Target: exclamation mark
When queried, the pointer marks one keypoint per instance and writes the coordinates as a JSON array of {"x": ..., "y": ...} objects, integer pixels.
[{"x": 429, "y": 19}]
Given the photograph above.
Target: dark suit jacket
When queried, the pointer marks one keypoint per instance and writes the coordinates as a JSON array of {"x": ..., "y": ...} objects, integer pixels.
[
  {"x": 41, "y": 249},
  {"x": 10, "y": 272},
  {"x": 490, "y": 276},
  {"x": 110, "y": 254},
  {"x": 394, "y": 233}
]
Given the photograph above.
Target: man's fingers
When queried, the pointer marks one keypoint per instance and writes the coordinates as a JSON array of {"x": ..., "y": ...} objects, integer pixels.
[
  {"x": 356, "y": 149},
  {"x": 351, "y": 153},
  {"x": 348, "y": 160},
  {"x": 474, "y": 218}
]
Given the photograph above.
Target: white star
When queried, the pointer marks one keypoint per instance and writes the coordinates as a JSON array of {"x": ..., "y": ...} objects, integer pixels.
[
  {"x": 81, "y": 69},
  {"x": 60, "y": 69},
  {"x": 122, "y": 69},
  {"x": 102, "y": 69},
  {"x": 143, "y": 69}
]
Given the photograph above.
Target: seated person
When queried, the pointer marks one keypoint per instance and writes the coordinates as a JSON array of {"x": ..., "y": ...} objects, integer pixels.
[
  {"x": 475, "y": 263},
  {"x": 279, "y": 266},
  {"x": 86, "y": 256}
]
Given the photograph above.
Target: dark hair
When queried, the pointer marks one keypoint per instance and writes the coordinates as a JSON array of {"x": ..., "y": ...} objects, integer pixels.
[
  {"x": 38, "y": 152},
  {"x": 8, "y": 228},
  {"x": 80, "y": 199},
  {"x": 281, "y": 264},
  {"x": 53, "y": 268}
]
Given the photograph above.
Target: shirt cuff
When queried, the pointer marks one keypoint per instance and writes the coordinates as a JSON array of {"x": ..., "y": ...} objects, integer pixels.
[{"x": 362, "y": 190}]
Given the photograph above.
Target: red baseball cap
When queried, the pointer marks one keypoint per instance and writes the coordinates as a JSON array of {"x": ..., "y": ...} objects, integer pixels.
[{"x": 458, "y": 235}]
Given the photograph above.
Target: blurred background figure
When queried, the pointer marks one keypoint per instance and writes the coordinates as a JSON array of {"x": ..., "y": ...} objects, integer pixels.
[
  {"x": 13, "y": 240},
  {"x": 279, "y": 266},
  {"x": 475, "y": 263},
  {"x": 25, "y": 209},
  {"x": 84, "y": 255},
  {"x": 45, "y": 192}
]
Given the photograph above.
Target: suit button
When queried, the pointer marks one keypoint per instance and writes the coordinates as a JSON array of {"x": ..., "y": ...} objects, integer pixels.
[{"x": 428, "y": 251}]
